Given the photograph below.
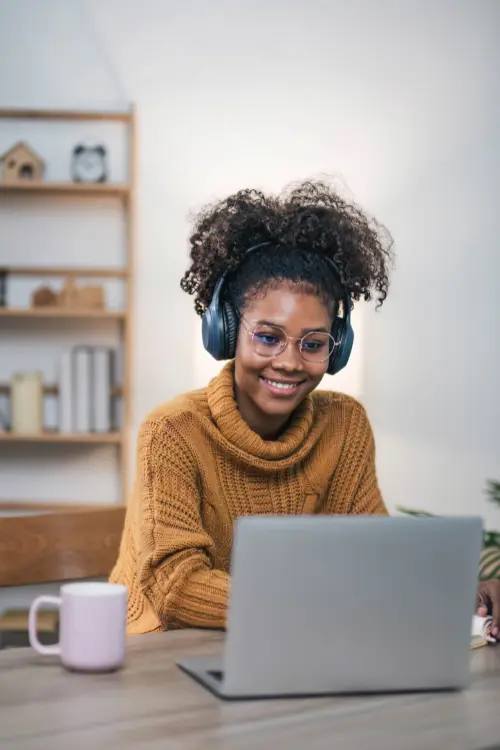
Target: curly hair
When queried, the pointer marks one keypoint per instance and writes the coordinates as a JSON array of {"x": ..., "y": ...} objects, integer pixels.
[{"x": 305, "y": 224}]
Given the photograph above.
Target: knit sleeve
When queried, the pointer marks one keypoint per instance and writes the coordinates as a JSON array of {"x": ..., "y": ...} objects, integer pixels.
[
  {"x": 175, "y": 554},
  {"x": 355, "y": 480}
]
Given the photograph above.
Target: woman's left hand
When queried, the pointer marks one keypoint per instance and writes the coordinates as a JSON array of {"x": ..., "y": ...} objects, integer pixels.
[{"x": 488, "y": 603}]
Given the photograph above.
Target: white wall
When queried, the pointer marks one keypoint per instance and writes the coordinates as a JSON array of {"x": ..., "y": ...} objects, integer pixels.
[{"x": 401, "y": 99}]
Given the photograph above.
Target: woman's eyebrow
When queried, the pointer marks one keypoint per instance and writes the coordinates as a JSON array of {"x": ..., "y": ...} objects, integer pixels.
[
  {"x": 318, "y": 329},
  {"x": 314, "y": 329}
]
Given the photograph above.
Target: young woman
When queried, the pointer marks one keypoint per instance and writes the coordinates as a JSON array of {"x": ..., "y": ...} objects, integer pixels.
[{"x": 274, "y": 279}]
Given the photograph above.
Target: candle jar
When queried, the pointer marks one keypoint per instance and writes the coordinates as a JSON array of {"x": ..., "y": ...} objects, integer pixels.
[{"x": 26, "y": 395}]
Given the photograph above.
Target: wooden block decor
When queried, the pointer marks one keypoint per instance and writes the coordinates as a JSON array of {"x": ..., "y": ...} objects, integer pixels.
[
  {"x": 21, "y": 164},
  {"x": 91, "y": 296},
  {"x": 71, "y": 295},
  {"x": 68, "y": 296}
]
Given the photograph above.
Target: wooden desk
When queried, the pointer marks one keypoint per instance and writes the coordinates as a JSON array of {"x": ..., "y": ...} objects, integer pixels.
[{"x": 152, "y": 705}]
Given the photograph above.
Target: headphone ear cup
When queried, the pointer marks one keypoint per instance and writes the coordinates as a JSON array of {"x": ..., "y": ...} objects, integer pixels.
[
  {"x": 230, "y": 330},
  {"x": 219, "y": 329},
  {"x": 344, "y": 334},
  {"x": 212, "y": 332}
]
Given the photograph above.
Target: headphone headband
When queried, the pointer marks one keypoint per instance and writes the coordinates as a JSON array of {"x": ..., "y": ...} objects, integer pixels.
[
  {"x": 220, "y": 283},
  {"x": 220, "y": 323}
]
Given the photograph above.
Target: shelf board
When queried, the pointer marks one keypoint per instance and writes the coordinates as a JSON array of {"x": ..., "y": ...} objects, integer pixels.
[
  {"x": 13, "y": 113},
  {"x": 67, "y": 188},
  {"x": 60, "y": 312},
  {"x": 51, "y": 389},
  {"x": 101, "y": 273},
  {"x": 43, "y": 506},
  {"x": 56, "y": 437}
]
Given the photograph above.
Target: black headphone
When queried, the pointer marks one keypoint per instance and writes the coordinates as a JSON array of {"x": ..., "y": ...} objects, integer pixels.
[{"x": 220, "y": 325}]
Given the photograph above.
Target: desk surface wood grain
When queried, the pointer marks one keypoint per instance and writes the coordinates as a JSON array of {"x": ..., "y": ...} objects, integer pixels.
[{"x": 152, "y": 705}]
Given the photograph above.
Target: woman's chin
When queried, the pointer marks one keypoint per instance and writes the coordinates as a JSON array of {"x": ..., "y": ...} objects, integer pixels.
[{"x": 278, "y": 406}]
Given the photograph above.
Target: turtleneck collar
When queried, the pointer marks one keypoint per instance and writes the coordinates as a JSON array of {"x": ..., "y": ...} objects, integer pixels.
[{"x": 227, "y": 417}]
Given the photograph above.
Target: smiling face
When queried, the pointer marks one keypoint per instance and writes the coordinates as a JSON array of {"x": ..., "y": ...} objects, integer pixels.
[{"x": 269, "y": 387}]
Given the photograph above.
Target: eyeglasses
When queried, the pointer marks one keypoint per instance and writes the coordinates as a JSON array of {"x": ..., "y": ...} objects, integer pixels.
[{"x": 271, "y": 340}]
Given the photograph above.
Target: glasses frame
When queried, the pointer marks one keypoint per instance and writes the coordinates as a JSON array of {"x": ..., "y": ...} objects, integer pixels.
[{"x": 252, "y": 331}]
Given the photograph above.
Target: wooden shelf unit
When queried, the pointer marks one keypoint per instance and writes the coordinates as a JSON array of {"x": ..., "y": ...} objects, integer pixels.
[{"x": 126, "y": 193}]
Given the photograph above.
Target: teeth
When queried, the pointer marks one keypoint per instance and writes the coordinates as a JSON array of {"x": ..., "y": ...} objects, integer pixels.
[{"x": 283, "y": 386}]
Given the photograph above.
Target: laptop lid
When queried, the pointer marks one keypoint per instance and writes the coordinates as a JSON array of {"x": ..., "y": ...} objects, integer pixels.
[{"x": 323, "y": 604}]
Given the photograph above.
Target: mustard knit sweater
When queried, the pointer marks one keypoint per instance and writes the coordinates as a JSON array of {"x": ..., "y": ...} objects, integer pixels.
[{"x": 200, "y": 467}]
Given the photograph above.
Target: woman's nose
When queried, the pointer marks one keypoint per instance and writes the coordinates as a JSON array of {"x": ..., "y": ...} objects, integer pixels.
[{"x": 290, "y": 358}]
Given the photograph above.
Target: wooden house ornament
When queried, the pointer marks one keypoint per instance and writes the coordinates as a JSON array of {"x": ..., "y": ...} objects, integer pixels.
[{"x": 21, "y": 164}]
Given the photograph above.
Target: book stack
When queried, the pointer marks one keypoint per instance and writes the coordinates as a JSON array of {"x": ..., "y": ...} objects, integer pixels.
[{"x": 86, "y": 378}]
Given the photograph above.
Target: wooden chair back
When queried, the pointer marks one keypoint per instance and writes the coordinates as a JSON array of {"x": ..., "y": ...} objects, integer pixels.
[{"x": 59, "y": 545}]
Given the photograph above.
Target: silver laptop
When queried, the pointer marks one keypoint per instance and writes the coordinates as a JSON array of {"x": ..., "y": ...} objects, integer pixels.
[{"x": 328, "y": 604}]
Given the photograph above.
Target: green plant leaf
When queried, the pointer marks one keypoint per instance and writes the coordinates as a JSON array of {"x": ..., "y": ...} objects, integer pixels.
[
  {"x": 491, "y": 539},
  {"x": 493, "y": 491},
  {"x": 415, "y": 513}
]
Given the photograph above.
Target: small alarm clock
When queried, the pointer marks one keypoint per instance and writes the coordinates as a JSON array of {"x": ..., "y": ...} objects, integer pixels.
[{"x": 89, "y": 164}]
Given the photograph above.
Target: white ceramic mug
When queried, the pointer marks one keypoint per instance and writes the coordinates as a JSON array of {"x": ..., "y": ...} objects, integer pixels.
[{"x": 92, "y": 626}]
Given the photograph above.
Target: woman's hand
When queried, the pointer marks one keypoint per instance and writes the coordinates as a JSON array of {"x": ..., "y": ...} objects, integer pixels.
[{"x": 488, "y": 603}]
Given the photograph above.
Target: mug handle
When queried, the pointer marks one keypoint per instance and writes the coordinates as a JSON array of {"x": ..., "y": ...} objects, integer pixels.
[{"x": 34, "y": 642}]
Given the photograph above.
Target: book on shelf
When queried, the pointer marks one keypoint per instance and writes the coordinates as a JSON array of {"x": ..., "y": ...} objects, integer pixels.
[
  {"x": 101, "y": 376},
  {"x": 66, "y": 392},
  {"x": 82, "y": 393},
  {"x": 86, "y": 376}
]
